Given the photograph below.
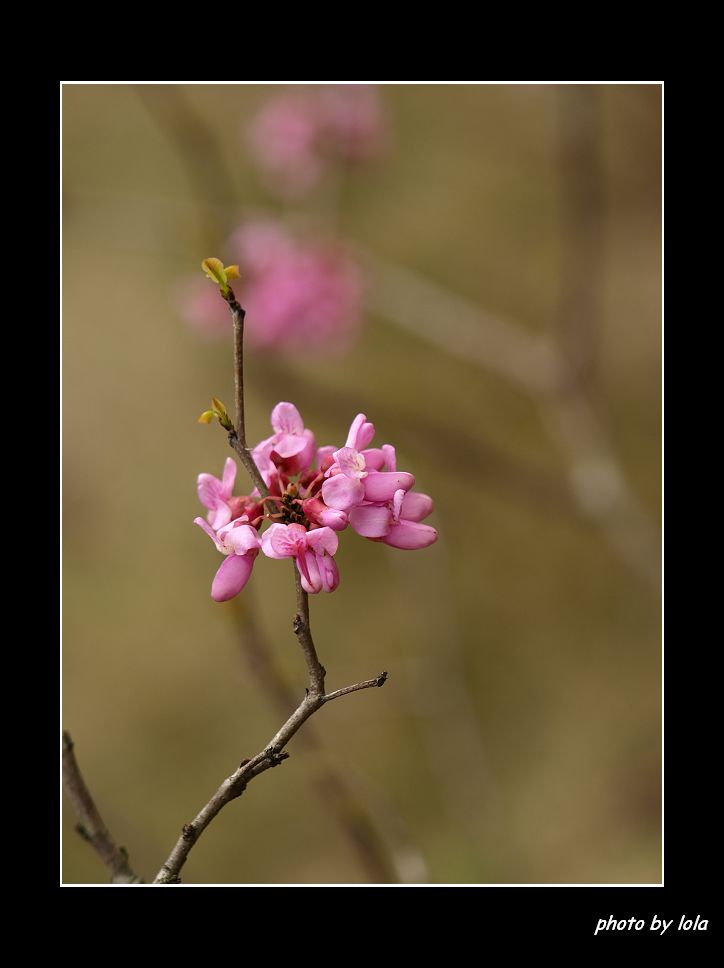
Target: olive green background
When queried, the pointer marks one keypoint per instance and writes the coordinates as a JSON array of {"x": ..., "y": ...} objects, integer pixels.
[{"x": 518, "y": 738}]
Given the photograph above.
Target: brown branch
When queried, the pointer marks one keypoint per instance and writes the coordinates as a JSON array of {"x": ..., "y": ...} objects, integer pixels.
[
  {"x": 304, "y": 635},
  {"x": 90, "y": 823},
  {"x": 581, "y": 193},
  {"x": 237, "y": 436},
  {"x": 380, "y": 680},
  {"x": 380, "y": 857},
  {"x": 234, "y": 785}
]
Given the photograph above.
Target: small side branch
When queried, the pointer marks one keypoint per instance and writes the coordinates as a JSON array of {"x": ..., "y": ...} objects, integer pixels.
[
  {"x": 234, "y": 785},
  {"x": 90, "y": 823},
  {"x": 367, "y": 684}
]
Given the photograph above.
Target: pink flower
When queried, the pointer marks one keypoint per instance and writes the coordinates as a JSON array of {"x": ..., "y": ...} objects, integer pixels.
[
  {"x": 215, "y": 494},
  {"x": 283, "y": 139},
  {"x": 199, "y": 305},
  {"x": 240, "y": 543},
  {"x": 313, "y": 494},
  {"x": 291, "y": 447},
  {"x": 353, "y": 120},
  {"x": 352, "y": 481},
  {"x": 316, "y": 511},
  {"x": 396, "y": 522},
  {"x": 298, "y": 294},
  {"x": 313, "y": 551},
  {"x": 299, "y": 134},
  {"x": 308, "y": 296}
]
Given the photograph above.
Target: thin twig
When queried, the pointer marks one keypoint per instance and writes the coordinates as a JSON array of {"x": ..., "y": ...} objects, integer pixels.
[
  {"x": 237, "y": 437},
  {"x": 90, "y": 823},
  {"x": 234, "y": 785},
  {"x": 380, "y": 680},
  {"x": 386, "y": 853},
  {"x": 303, "y": 633}
]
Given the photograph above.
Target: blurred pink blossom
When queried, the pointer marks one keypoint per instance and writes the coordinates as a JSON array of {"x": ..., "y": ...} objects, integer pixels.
[
  {"x": 299, "y": 134},
  {"x": 298, "y": 294}
]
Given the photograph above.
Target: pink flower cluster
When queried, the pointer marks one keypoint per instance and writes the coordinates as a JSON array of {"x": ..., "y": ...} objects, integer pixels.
[
  {"x": 297, "y": 294},
  {"x": 299, "y": 134},
  {"x": 314, "y": 493}
]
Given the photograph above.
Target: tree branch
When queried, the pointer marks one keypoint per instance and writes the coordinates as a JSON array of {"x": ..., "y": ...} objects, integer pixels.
[
  {"x": 381, "y": 850},
  {"x": 234, "y": 785},
  {"x": 237, "y": 437},
  {"x": 379, "y": 681},
  {"x": 90, "y": 823}
]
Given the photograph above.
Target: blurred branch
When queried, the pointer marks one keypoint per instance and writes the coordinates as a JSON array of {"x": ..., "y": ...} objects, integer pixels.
[
  {"x": 199, "y": 150},
  {"x": 581, "y": 196},
  {"x": 315, "y": 696},
  {"x": 538, "y": 366},
  {"x": 90, "y": 823},
  {"x": 357, "y": 825}
]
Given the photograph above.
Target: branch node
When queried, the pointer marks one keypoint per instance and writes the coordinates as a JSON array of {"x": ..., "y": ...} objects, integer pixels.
[
  {"x": 381, "y": 679},
  {"x": 80, "y": 829},
  {"x": 188, "y": 831}
]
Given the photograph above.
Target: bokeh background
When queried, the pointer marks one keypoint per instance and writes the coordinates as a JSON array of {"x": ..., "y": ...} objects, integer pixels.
[{"x": 510, "y": 348}]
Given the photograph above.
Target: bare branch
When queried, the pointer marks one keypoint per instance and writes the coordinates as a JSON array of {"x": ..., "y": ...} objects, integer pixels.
[
  {"x": 385, "y": 852},
  {"x": 303, "y": 633},
  {"x": 90, "y": 823},
  {"x": 237, "y": 437},
  {"x": 234, "y": 785},
  {"x": 380, "y": 680}
]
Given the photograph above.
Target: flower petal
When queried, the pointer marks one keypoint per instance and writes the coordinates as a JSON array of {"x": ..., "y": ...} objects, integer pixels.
[
  {"x": 242, "y": 538},
  {"x": 374, "y": 459},
  {"x": 210, "y": 490},
  {"x": 229, "y": 476},
  {"x": 350, "y": 462},
  {"x": 416, "y": 507},
  {"x": 342, "y": 493},
  {"x": 288, "y": 445},
  {"x": 371, "y": 520},
  {"x": 381, "y": 485},
  {"x": 317, "y": 512},
  {"x": 354, "y": 430},
  {"x": 328, "y": 573},
  {"x": 221, "y": 516},
  {"x": 286, "y": 419},
  {"x": 410, "y": 535},
  {"x": 275, "y": 542},
  {"x": 360, "y": 433},
  {"x": 307, "y": 568},
  {"x": 231, "y": 577},
  {"x": 323, "y": 539},
  {"x": 305, "y": 562},
  {"x": 211, "y": 533},
  {"x": 323, "y": 453},
  {"x": 390, "y": 457}
]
